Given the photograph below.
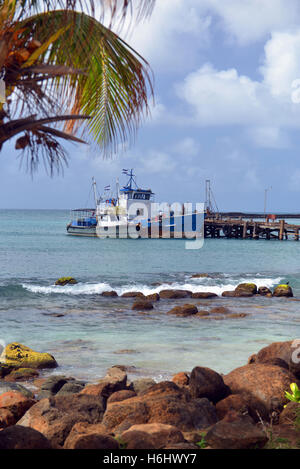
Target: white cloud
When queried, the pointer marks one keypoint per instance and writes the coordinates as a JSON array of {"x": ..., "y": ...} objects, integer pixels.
[
  {"x": 282, "y": 63},
  {"x": 249, "y": 21},
  {"x": 164, "y": 40},
  {"x": 268, "y": 137},
  {"x": 224, "y": 97}
]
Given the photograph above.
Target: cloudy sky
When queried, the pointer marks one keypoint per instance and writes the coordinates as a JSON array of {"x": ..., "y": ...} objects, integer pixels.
[{"x": 227, "y": 108}]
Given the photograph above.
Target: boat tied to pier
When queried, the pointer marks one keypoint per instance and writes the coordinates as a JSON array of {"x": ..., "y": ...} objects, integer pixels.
[{"x": 132, "y": 213}]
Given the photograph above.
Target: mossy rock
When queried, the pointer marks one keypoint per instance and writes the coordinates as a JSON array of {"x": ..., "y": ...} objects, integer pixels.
[
  {"x": 66, "y": 281},
  {"x": 22, "y": 374},
  {"x": 246, "y": 289},
  {"x": 21, "y": 356},
  {"x": 283, "y": 290}
]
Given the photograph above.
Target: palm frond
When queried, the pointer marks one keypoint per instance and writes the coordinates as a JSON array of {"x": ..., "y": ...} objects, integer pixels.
[{"x": 116, "y": 82}]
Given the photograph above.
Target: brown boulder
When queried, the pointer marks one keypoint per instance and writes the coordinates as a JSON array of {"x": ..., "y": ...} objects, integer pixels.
[
  {"x": 185, "y": 310},
  {"x": 236, "y": 433},
  {"x": 181, "y": 379},
  {"x": 240, "y": 403},
  {"x": 151, "y": 436},
  {"x": 109, "y": 293},
  {"x": 17, "y": 437},
  {"x": 7, "y": 418},
  {"x": 121, "y": 395},
  {"x": 153, "y": 297},
  {"x": 264, "y": 291},
  {"x": 85, "y": 436},
  {"x": 16, "y": 403},
  {"x": 133, "y": 294},
  {"x": 265, "y": 383},
  {"x": 228, "y": 293},
  {"x": 162, "y": 403},
  {"x": 204, "y": 295},
  {"x": 285, "y": 351},
  {"x": 55, "y": 417},
  {"x": 22, "y": 374},
  {"x": 115, "y": 380},
  {"x": 290, "y": 413},
  {"x": 141, "y": 305},
  {"x": 205, "y": 382},
  {"x": 142, "y": 384},
  {"x": 283, "y": 291},
  {"x": 246, "y": 289},
  {"x": 220, "y": 310},
  {"x": 174, "y": 294}
]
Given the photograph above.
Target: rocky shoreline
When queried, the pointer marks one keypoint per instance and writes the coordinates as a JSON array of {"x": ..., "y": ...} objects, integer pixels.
[{"x": 198, "y": 409}]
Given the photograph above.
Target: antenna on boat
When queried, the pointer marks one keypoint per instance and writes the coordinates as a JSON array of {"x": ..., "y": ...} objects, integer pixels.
[{"x": 129, "y": 172}]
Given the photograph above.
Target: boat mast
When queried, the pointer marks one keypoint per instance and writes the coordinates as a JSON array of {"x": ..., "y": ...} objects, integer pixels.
[{"x": 95, "y": 191}]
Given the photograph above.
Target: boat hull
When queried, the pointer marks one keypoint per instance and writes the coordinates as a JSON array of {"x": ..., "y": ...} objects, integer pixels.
[{"x": 82, "y": 231}]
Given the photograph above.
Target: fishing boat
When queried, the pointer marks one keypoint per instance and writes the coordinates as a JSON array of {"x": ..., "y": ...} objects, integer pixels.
[{"x": 132, "y": 213}]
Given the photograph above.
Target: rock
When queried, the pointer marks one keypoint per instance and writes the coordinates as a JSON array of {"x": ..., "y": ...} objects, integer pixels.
[
  {"x": 5, "y": 370},
  {"x": 66, "y": 281},
  {"x": 17, "y": 437},
  {"x": 246, "y": 289},
  {"x": 284, "y": 354},
  {"x": 16, "y": 403},
  {"x": 283, "y": 290},
  {"x": 153, "y": 297},
  {"x": 54, "y": 383},
  {"x": 142, "y": 305},
  {"x": 115, "y": 380},
  {"x": 6, "y": 386},
  {"x": 151, "y": 436},
  {"x": 205, "y": 382},
  {"x": 204, "y": 295},
  {"x": 21, "y": 356},
  {"x": 202, "y": 314},
  {"x": 121, "y": 396},
  {"x": 290, "y": 413},
  {"x": 55, "y": 417},
  {"x": 133, "y": 294},
  {"x": 182, "y": 446},
  {"x": 162, "y": 403},
  {"x": 185, "y": 310},
  {"x": 21, "y": 374},
  {"x": 83, "y": 436},
  {"x": 200, "y": 275},
  {"x": 174, "y": 294},
  {"x": 70, "y": 388},
  {"x": 109, "y": 293},
  {"x": 265, "y": 383},
  {"x": 142, "y": 384},
  {"x": 7, "y": 418},
  {"x": 242, "y": 404},
  {"x": 237, "y": 433},
  {"x": 264, "y": 291},
  {"x": 181, "y": 379},
  {"x": 44, "y": 395},
  {"x": 219, "y": 310},
  {"x": 236, "y": 315},
  {"x": 229, "y": 293}
]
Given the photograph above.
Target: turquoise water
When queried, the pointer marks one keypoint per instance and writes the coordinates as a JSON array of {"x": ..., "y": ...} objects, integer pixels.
[{"x": 96, "y": 332}]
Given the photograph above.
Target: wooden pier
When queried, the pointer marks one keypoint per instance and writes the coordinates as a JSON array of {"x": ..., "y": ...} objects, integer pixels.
[{"x": 241, "y": 228}]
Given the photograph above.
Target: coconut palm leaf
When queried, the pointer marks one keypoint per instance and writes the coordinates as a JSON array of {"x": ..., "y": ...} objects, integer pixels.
[{"x": 114, "y": 87}]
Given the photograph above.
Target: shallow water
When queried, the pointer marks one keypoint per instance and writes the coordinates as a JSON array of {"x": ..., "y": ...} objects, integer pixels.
[{"x": 96, "y": 332}]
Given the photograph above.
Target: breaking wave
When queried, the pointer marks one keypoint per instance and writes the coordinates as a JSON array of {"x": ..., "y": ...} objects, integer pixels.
[{"x": 195, "y": 285}]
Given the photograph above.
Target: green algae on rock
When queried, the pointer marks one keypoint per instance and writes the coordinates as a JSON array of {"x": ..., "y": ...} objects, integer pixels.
[
  {"x": 66, "y": 281},
  {"x": 21, "y": 356},
  {"x": 283, "y": 290}
]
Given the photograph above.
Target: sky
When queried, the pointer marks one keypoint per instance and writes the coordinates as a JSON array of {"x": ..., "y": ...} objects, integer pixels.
[{"x": 227, "y": 108}]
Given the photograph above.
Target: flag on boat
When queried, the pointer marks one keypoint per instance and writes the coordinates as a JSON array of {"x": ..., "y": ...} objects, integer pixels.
[
  {"x": 125, "y": 171},
  {"x": 107, "y": 188}
]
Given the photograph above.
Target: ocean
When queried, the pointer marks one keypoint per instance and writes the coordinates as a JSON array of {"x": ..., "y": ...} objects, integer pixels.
[{"x": 88, "y": 333}]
